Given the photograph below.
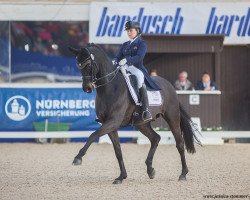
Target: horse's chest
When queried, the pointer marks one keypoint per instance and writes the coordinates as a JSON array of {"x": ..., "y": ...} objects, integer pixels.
[{"x": 102, "y": 108}]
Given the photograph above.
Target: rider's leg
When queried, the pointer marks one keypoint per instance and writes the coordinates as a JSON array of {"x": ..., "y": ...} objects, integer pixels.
[
  {"x": 138, "y": 73},
  {"x": 146, "y": 115}
]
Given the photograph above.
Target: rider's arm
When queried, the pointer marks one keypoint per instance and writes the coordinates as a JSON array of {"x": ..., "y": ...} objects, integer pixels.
[
  {"x": 138, "y": 58},
  {"x": 120, "y": 55}
]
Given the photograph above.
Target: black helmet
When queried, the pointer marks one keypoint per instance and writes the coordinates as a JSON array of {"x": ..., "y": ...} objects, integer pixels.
[{"x": 133, "y": 24}]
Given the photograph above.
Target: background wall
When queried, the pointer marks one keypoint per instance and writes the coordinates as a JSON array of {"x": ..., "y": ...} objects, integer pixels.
[
  {"x": 169, "y": 65},
  {"x": 87, "y": 1},
  {"x": 235, "y": 73}
]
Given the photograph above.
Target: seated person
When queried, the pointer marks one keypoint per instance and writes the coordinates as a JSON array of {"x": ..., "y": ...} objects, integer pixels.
[
  {"x": 206, "y": 83},
  {"x": 153, "y": 72},
  {"x": 182, "y": 83}
]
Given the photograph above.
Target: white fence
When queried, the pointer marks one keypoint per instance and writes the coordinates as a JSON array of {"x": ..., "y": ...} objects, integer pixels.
[{"x": 207, "y": 137}]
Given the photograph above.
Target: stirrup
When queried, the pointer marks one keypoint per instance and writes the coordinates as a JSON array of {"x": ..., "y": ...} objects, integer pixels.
[{"x": 150, "y": 116}]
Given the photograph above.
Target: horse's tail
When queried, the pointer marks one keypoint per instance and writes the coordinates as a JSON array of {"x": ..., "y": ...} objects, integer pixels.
[{"x": 188, "y": 129}]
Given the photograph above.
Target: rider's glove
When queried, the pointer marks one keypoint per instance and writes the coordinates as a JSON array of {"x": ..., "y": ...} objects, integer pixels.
[
  {"x": 123, "y": 61},
  {"x": 114, "y": 62}
]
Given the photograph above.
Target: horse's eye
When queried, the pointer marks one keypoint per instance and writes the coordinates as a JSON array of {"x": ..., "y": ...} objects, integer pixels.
[{"x": 80, "y": 65}]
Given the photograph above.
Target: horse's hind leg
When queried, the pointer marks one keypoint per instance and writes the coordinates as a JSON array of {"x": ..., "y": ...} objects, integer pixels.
[
  {"x": 173, "y": 119},
  {"x": 154, "y": 139},
  {"x": 116, "y": 143}
]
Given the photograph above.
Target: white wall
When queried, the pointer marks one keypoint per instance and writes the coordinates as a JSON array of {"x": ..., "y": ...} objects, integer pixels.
[
  {"x": 56, "y": 10},
  {"x": 44, "y": 12},
  {"x": 87, "y": 1}
]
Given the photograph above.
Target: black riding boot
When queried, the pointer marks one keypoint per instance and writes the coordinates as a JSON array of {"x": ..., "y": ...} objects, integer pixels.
[{"x": 146, "y": 115}]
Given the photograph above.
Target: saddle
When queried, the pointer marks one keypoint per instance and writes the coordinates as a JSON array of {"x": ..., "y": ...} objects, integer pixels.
[{"x": 154, "y": 97}]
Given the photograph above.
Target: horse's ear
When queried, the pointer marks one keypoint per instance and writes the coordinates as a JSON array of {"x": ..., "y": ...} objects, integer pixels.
[{"x": 74, "y": 51}]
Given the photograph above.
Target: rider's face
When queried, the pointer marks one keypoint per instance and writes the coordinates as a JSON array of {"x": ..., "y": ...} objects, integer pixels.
[{"x": 132, "y": 33}]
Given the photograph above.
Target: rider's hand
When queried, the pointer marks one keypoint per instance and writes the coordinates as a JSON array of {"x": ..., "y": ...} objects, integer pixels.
[
  {"x": 123, "y": 61},
  {"x": 114, "y": 62}
]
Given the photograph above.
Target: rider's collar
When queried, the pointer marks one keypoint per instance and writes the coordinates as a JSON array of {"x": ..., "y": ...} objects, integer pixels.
[{"x": 132, "y": 40}]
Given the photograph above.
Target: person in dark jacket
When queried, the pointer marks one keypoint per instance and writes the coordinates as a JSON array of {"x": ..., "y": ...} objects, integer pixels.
[
  {"x": 206, "y": 83},
  {"x": 131, "y": 56}
]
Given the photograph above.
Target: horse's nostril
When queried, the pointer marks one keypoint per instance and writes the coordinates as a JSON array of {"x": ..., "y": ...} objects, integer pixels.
[{"x": 87, "y": 89}]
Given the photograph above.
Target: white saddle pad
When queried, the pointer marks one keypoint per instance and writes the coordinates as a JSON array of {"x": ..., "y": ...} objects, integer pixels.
[{"x": 154, "y": 97}]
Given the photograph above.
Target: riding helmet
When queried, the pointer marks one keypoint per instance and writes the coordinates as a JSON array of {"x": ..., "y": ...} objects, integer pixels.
[{"x": 133, "y": 24}]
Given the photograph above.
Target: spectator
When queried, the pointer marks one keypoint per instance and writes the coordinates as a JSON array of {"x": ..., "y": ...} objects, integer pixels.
[
  {"x": 43, "y": 37},
  {"x": 206, "y": 83},
  {"x": 153, "y": 72},
  {"x": 182, "y": 83}
]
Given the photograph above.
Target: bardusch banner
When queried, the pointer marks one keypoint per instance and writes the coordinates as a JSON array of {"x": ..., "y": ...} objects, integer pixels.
[{"x": 231, "y": 19}]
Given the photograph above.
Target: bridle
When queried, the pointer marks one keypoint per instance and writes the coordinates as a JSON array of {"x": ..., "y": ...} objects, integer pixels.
[{"x": 96, "y": 82}]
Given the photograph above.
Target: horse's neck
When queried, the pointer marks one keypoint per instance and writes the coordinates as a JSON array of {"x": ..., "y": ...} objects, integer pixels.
[
  {"x": 106, "y": 68},
  {"x": 105, "y": 65},
  {"x": 112, "y": 87}
]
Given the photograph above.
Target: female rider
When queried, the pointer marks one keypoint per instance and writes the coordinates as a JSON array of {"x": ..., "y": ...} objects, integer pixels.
[{"x": 132, "y": 54}]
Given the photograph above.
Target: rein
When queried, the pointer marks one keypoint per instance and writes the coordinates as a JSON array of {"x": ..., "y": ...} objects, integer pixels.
[
  {"x": 110, "y": 76},
  {"x": 94, "y": 80}
]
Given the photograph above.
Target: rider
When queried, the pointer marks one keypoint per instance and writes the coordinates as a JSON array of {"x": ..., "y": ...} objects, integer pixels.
[{"x": 132, "y": 54}]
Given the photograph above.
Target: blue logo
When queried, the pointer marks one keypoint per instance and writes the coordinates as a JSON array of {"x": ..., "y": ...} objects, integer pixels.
[
  {"x": 224, "y": 24},
  {"x": 113, "y": 26},
  {"x": 17, "y": 108}
]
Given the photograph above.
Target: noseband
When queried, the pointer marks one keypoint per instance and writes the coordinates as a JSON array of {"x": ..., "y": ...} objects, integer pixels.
[{"x": 90, "y": 60}]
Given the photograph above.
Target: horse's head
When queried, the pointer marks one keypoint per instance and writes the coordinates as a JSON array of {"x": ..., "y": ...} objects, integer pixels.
[{"x": 88, "y": 67}]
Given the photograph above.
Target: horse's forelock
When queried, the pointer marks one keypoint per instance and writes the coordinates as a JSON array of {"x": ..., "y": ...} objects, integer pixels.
[
  {"x": 94, "y": 49},
  {"x": 83, "y": 55}
]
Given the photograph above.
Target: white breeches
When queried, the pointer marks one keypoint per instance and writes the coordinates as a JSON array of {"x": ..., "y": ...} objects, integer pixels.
[{"x": 138, "y": 73}]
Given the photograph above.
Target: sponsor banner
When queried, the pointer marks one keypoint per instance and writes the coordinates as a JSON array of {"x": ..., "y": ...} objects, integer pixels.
[
  {"x": 21, "y": 107},
  {"x": 107, "y": 20}
]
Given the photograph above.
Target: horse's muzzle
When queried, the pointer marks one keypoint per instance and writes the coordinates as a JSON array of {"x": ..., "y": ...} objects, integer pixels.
[{"x": 87, "y": 88}]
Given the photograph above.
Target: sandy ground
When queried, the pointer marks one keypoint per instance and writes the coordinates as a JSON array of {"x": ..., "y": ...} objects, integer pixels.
[{"x": 36, "y": 171}]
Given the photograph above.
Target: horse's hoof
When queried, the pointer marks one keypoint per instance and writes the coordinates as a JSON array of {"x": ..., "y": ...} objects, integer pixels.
[
  {"x": 182, "y": 178},
  {"x": 151, "y": 175},
  {"x": 77, "y": 161},
  {"x": 117, "y": 181}
]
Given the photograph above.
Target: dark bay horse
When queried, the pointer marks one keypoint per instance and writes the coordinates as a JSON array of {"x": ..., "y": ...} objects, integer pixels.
[{"x": 115, "y": 108}]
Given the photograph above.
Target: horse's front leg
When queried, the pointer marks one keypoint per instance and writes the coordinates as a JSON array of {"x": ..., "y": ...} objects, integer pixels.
[
  {"x": 107, "y": 127},
  {"x": 118, "y": 152}
]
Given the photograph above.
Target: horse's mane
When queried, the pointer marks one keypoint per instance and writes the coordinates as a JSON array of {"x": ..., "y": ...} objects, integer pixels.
[{"x": 98, "y": 47}]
